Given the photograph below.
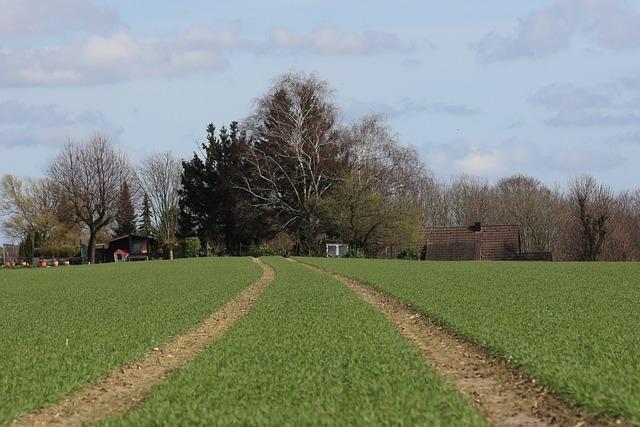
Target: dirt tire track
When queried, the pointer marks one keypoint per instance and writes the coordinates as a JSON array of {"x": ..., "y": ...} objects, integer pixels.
[
  {"x": 126, "y": 387},
  {"x": 506, "y": 396}
]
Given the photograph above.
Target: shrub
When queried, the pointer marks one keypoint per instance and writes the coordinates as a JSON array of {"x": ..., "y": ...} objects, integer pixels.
[
  {"x": 191, "y": 247},
  {"x": 62, "y": 251},
  {"x": 355, "y": 253},
  {"x": 281, "y": 245},
  {"x": 410, "y": 253},
  {"x": 263, "y": 249}
]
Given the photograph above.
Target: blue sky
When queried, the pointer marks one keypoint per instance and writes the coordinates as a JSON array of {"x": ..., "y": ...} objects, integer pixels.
[{"x": 547, "y": 88}]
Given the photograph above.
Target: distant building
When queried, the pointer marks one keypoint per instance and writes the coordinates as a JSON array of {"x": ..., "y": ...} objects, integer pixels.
[
  {"x": 477, "y": 242},
  {"x": 128, "y": 248},
  {"x": 337, "y": 250}
]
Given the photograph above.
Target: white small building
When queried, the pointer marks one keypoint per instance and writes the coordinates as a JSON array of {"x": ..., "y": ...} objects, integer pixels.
[{"x": 337, "y": 250}]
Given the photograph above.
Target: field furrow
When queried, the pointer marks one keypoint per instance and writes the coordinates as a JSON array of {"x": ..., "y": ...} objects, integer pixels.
[
  {"x": 574, "y": 326},
  {"x": 310, "y": 352},
  {"x": 64, "y": 328}
]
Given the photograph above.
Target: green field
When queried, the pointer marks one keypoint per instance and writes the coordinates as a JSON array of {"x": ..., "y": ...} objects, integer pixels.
[
  {"x": 110, "y": 315},
  {"x": 576, "y": 326},
  {"x": 310, "y": 352}
]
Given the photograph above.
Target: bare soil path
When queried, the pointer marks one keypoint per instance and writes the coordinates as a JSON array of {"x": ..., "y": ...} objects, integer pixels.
[
  {"x": 506, "y": 396},
  {"x": 127, "y": 387}
]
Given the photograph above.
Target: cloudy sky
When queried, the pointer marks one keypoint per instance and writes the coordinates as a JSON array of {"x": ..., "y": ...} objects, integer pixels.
[{"x": 547, "y": 88}]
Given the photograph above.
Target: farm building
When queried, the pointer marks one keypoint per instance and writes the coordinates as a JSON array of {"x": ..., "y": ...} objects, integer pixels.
[
  {"x": 125, "y": 248},
  {"x": 477, "y": 242},
  {"x": 338, "y": 250}
]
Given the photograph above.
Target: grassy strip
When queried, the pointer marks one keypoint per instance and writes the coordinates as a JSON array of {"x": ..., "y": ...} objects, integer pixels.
[
  {"x": 65, "y": 327},
  {"x": 310, "y": 352},
  {"x": 573, "y": 325}
]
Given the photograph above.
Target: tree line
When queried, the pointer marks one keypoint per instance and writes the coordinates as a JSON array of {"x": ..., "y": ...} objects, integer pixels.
[
  {"x": 586, "y": 221},
  {"x": 292, "y": 176}
]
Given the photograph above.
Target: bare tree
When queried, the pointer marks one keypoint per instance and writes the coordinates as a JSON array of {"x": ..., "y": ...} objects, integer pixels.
[
  {"x": 89, "y": 176},
  {"x": 27, "y": 206},
  {"x": 435, "y": 203},
  {"x": 590, "y": 207},
  {"x": 537, "y": 209},
  {"x": 623, "y": 240},
  {"x": 293, "y": 153},
  {"x": 376, "y": 200},
  {"x": 159, "y": 178},
  {"x": 471, "y": 200}
]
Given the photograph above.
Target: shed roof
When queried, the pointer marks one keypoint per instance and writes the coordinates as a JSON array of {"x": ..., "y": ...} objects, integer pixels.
[
  {"x": 126, "y": 236},
  {"x": 476, "y": 242}
]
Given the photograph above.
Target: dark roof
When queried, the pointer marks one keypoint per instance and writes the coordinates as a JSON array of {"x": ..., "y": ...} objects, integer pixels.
[
  {"x": 476, "y": 242},
  {"x": 126, "y": 236}
]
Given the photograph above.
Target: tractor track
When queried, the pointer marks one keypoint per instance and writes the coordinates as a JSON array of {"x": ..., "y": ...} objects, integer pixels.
[
  {"x": 505, "y": 395},
  {"x": 126, "y": 387}
]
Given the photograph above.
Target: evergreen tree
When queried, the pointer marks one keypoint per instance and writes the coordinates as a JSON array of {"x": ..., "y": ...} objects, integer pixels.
[
  {"x": 126, "y": 216},
  {"x": 146, "y": 228},
  {"x": 212, "y": 207}
]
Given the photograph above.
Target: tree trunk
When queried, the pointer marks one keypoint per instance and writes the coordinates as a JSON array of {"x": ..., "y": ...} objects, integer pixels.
[
  {"x": 33, "y": 243},
  {"x": 93, "y": 235},
  {"x": 170, "y": 253}
]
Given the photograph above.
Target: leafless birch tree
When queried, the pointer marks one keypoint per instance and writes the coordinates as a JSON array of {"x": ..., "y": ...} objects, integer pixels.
[{"x": 293, "y": 157}]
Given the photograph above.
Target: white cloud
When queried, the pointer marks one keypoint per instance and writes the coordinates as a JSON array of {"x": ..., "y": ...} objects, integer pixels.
[
  {"x": 612, "y": 104},
  {"x": 488, "y": 164},
  {"x": 595, "y": 119},
  {"x": 24, "y": 18},
  {"x": 514, "y": 155},
  {"x": 120, "y": 55},
  {"x": 104, "y": 59},
  {"x": 331, "y": 41},
  {"x": 629, "y": 138},
  {"x": 48, "y": 125},
  {"x": 569, "y": 97},
  {"x": 610, "y": 24},
  {"x": 407, "y": 107}
]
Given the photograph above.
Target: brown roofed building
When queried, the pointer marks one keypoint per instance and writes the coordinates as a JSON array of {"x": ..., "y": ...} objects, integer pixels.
[{"x": 477, "y": 242}]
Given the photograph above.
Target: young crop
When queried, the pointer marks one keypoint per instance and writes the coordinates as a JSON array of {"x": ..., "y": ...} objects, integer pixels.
[
  {"x": 573, "y": 325},
  {"x": 309, "y": 353},
  {"x": 62, "y": 328}
]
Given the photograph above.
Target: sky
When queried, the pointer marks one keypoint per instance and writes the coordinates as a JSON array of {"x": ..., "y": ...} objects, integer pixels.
[{"x": 491, "y": 88}]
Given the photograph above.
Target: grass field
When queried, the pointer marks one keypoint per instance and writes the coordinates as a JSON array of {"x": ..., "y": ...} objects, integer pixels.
[
  {"x": 110, "y": 314},
  {"x": 310, "y": 352},
  {"x": 576, "y": 326}
]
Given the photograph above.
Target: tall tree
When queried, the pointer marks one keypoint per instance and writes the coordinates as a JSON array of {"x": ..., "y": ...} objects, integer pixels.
[
  {"x": 89, "y": 176},
  {"x": 212, "y": 206},
  {"x": 374, "y": 203},
  {"x": 294, "y": 155},
  {"x": 590, "y": 207},
  {"x": 537, "y": 209},
  {"x": 146, "y": 226},
  {"x": 126, "y": 215},
  {"x": 28, "y": 209},
  {"x": 471, "y": 200},
  {"x": 623, "y": 240},
  {"x": 159, "y": 178}
]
